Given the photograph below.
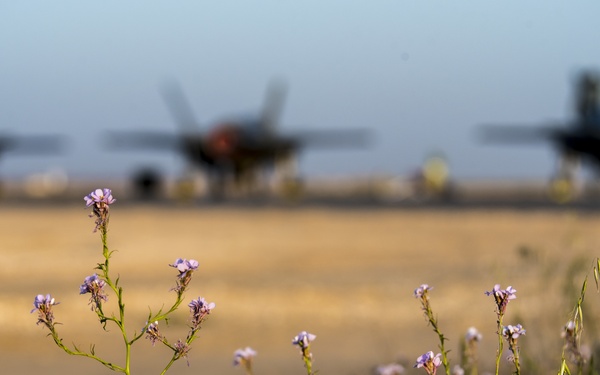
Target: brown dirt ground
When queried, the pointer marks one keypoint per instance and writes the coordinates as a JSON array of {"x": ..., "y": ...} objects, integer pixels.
[{"x": 345, "y": 275}]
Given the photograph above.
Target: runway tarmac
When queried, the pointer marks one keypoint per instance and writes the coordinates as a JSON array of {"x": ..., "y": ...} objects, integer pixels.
[{"x": 359, "y": 194}]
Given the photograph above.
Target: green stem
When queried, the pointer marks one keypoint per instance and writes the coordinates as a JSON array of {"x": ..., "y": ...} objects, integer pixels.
[
  {"x": 77, "y": 352},
  {"x": 470, "y": 362},
  {"x": 434, "y": 324},
  {"x": 308, "y": 365},
  {"x": 500, "y": 343},
  {"x": 173, "y": 359},
  {"x": 120, "y": 322},
  {"x": 515, "y": 350}
]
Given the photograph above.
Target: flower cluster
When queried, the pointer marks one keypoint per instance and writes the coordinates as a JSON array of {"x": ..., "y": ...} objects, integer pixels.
[
  {"x": 94, "y": 285},
  {"x": 512, "y": 332},
  {"x": 43, "y": 305},
  {"x": 502, "y": 296},
  {"x": 152, "y": 333},
  {"x": 391, "y": 369},
  {"x": 303, "y": 339},
  {"x": 469, "y": 348},
  {"x": 100, "y": 199},
  {"x": 181, "y": 350},
  {"x": 429, "y": 362},
  {"x": 244, "y": 357},
  {"x": 199, "y": 309},
  {"x": 185, "y": 268},
  {"x": 421, "y": 292},
  {"x": 473, "y": 335}
]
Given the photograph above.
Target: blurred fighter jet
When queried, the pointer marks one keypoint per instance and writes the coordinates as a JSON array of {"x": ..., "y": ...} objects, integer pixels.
[
  {"x": 234, "y": 153},
  {"x": 576, "y": 140},
  {"x": 34, "y": 145}
]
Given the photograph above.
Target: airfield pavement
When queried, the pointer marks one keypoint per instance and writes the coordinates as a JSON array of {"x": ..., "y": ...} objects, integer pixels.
[{"x": 345, "y": 275}]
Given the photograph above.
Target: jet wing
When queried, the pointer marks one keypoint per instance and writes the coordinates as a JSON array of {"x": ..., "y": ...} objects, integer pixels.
[
  {"x": 32, "y": 144},
  {"x": 143, "y": 140},
  {"x": 332, "y": 138},
  {"x": 519, "y": 134}
]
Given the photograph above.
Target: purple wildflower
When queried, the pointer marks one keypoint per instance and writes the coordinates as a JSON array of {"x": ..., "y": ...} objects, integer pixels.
[
  {"x": 429, "y": 362},
  {"x": 181, "y": 350},
  {"x": 99, "y": 196},
  {"x": 244, "y": 356},
  {"x": 473, "y": 335},
  {"x": 100, "y": 199},
  {"x": 421, "y": 292},
  {"x": 303, "y": 339},
  {"x": 199, "y": 309},
  {"x": 512, "y": 332},
  {"x": 185, "y": 268},
  {"x": 391, "y": 369},
  {"x": 43, "y": 305},
  {"x": 94, "y": 285},
  {"x": 152, "y": 333},
  {"x": 502, "y": 296}
]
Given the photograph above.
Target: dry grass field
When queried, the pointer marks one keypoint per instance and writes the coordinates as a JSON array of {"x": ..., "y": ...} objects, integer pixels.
[{"x": 345, "y": 275}]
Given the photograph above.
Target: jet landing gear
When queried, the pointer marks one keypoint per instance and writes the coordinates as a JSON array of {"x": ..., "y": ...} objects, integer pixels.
[
  {"x": 287, "y": 183},
  {"x": 147, "y": 184},
  {"x": 184, "y": 189},
  {"x": 291, "y": 189},
  {"x": 563, "y": 188}
]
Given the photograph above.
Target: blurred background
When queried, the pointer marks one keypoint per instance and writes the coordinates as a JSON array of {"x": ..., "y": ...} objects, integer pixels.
[
  {"x": 419, "y": 78},
  {"x": 348, "y": 106}
]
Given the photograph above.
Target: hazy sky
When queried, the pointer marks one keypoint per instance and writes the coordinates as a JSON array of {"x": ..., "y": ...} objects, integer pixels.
[{"x": 420, "y": 74}]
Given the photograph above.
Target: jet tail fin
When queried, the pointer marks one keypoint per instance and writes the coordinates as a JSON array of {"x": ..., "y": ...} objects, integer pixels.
[
  {"x": 179, "y": 107},
  {"x": 587, "y": 105},
  {"x": 273, "y": 107}
]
